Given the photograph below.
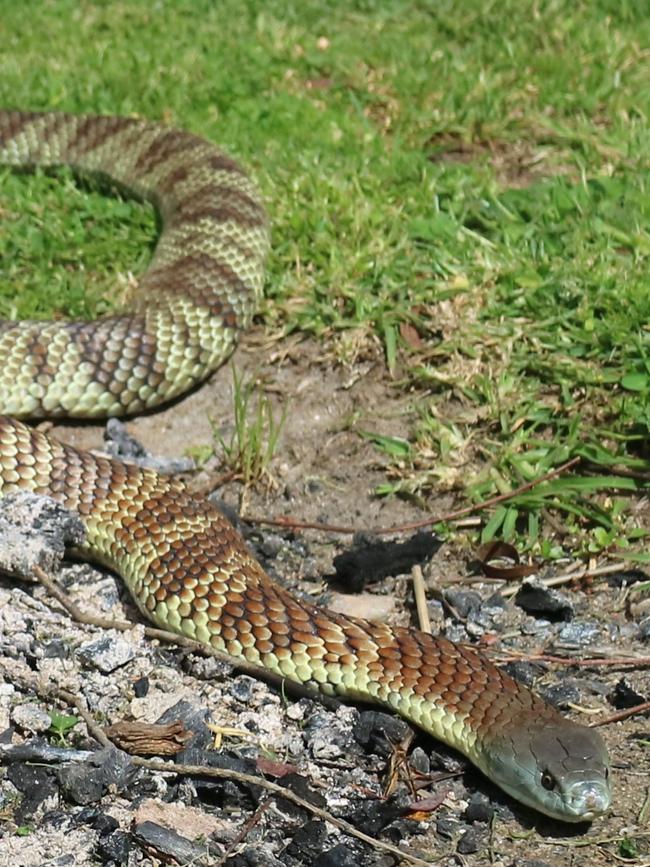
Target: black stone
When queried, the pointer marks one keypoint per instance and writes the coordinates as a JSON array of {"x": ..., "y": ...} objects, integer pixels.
[
  {"x": 541, "y": 601},
  {"x": 36, "y": 785},
  {"x": 98, "y": 820},
  {"x": 308, "y": 841},
  {"x": 624, "y": 695},
  {"x": 470, "y": 842},
  {"x": 168, "y": 845},
  {"x": 114, "y": 848},
  {"x": 338, "y": 856},
  {"x": 194, "y": 719},
  {"x": 376, "y": 732},
  {"x": 85, "y": 783},
  {"x": 141, "y": 687},
  {"x": 479, "y": 809},
  {"x": 465, "y": 602}
]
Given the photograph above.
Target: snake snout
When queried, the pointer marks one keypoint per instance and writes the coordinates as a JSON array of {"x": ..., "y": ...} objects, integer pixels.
[{"x": 588, "y": 799}]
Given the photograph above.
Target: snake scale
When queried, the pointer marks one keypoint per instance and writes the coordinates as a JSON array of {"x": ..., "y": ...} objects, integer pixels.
[{"x": 186, "y": 567}]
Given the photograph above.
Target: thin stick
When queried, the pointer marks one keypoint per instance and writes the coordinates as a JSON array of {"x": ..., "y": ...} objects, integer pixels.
[
  {"x": 415, "y": 525},
  {"x": 222, "y": 774},
  {"x": 420, "y": 599},
  {"x": 566, "y": 577},
  {"x": 298, "y": 689},
  {"x": 245, "y": 831},
  {"x": 623, "y": 714}
]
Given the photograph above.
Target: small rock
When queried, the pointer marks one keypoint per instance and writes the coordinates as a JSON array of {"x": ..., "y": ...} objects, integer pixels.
[
  {"x": 242, "y": 688},
  {"x": 115, "y": 848},
  {"x": 330, "y": 736},
  {"x": 537, "y": 599},
  {"x": 34, "y": 531},
  {"x": 141, "y": 687},
  {"x": 447, "y": 826},
  {"x": 470, "y": 842},
  {"x": 465, "y": 602},
  {"x": 97, "y": 819},
  {"x": 479, "y": 809},
  {"x": 170, "y": 846},
  {"x": 37, "y": 786},
  {"x": 31, "y": 718},
  {"x": 237, "y": 795},
  {"x": 85, "y": 783},
  {"x": 562, "y": 695},
  {"x": 376, "y": 731},
  {"x": 580, "y": 632},
  {"x": 371, "y": 816},
  {"x": 308, "y": 841},
  {"x": 419, "y": 761},
  {"x": 339, "y": 856},
  {"x": 624, "y": 695},
  {"x": 531, "y": 863},
  {"x": 456, "y": 632},
  {"x": 107, "y": 653},
  {"x": 524, "y": 672},
  {"x": 644, "y": 628},
  {"x": 194, "y": 719}
]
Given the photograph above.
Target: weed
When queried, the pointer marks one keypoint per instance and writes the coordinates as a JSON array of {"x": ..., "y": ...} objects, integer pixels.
[
  {"x": 61, "y": 725},
  {"x": 256, "y": 430}
]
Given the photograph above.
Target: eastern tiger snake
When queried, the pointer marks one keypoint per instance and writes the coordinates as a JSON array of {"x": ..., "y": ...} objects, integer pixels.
[{"x": 186, "y": 567}]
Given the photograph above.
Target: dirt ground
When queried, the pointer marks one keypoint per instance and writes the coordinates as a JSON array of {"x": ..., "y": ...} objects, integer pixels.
[{"x": 325, "y": 472}]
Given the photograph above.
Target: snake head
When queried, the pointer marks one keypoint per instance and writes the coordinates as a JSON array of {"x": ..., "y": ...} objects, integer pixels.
[{"x": 553, "y": 765}]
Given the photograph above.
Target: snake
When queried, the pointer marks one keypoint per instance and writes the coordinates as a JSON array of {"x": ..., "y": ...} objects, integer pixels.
[{"x": 187, "y": 568}]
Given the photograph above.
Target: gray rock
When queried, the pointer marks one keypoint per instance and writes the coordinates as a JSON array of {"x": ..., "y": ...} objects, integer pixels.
[
  {"x": 106, "y": 653},
  {"x": 31, "y": 718},
  {"x": 580, "y": 632},
  {"x": 34, "y": 531}
]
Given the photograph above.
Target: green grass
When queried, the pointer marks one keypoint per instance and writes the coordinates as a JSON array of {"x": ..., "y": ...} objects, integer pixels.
[{"x": 469, "y": 182}]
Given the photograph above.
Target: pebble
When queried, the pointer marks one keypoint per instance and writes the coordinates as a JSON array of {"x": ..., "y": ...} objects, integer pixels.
[
  {"x": 625, "y": 695},
  {"x": 562, "y": 694},
  {"x": 119, "y": 443},
  {"x": 580, "y": 632},
  {"x": 339, "y": 856},
  {"x": 469, "y": 842},
  {"x": 170, "y": 846},
  {"x": 537, "y": 599},
  {"x": 106, "y": 653},
  {"x": 330, "y": 736},
  {"x": 465, "y": 602},
  {"x": 419, "y": 761},
  {"x": 85, "y": 783},
  {"x": 377, "y": 731},
  {"x": 644, "y": 628},
  {"x": 34, "y": 532},
  {"x": 31, "y": 718},
  {"x": 115, "y": 848},
  {"x": 479, "y": 809}
]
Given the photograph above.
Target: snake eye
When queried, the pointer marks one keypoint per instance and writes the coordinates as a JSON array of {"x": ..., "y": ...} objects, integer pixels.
[{"x": 548, "y": 781}]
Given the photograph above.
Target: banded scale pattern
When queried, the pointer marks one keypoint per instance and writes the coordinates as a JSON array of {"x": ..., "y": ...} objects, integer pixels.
[
  {"x": 201, "y": 288},
  {"x": 186, "y": 567}
]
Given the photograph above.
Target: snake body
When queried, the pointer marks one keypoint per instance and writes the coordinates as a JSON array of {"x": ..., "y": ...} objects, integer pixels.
[{"x": 186, "y": 567}]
